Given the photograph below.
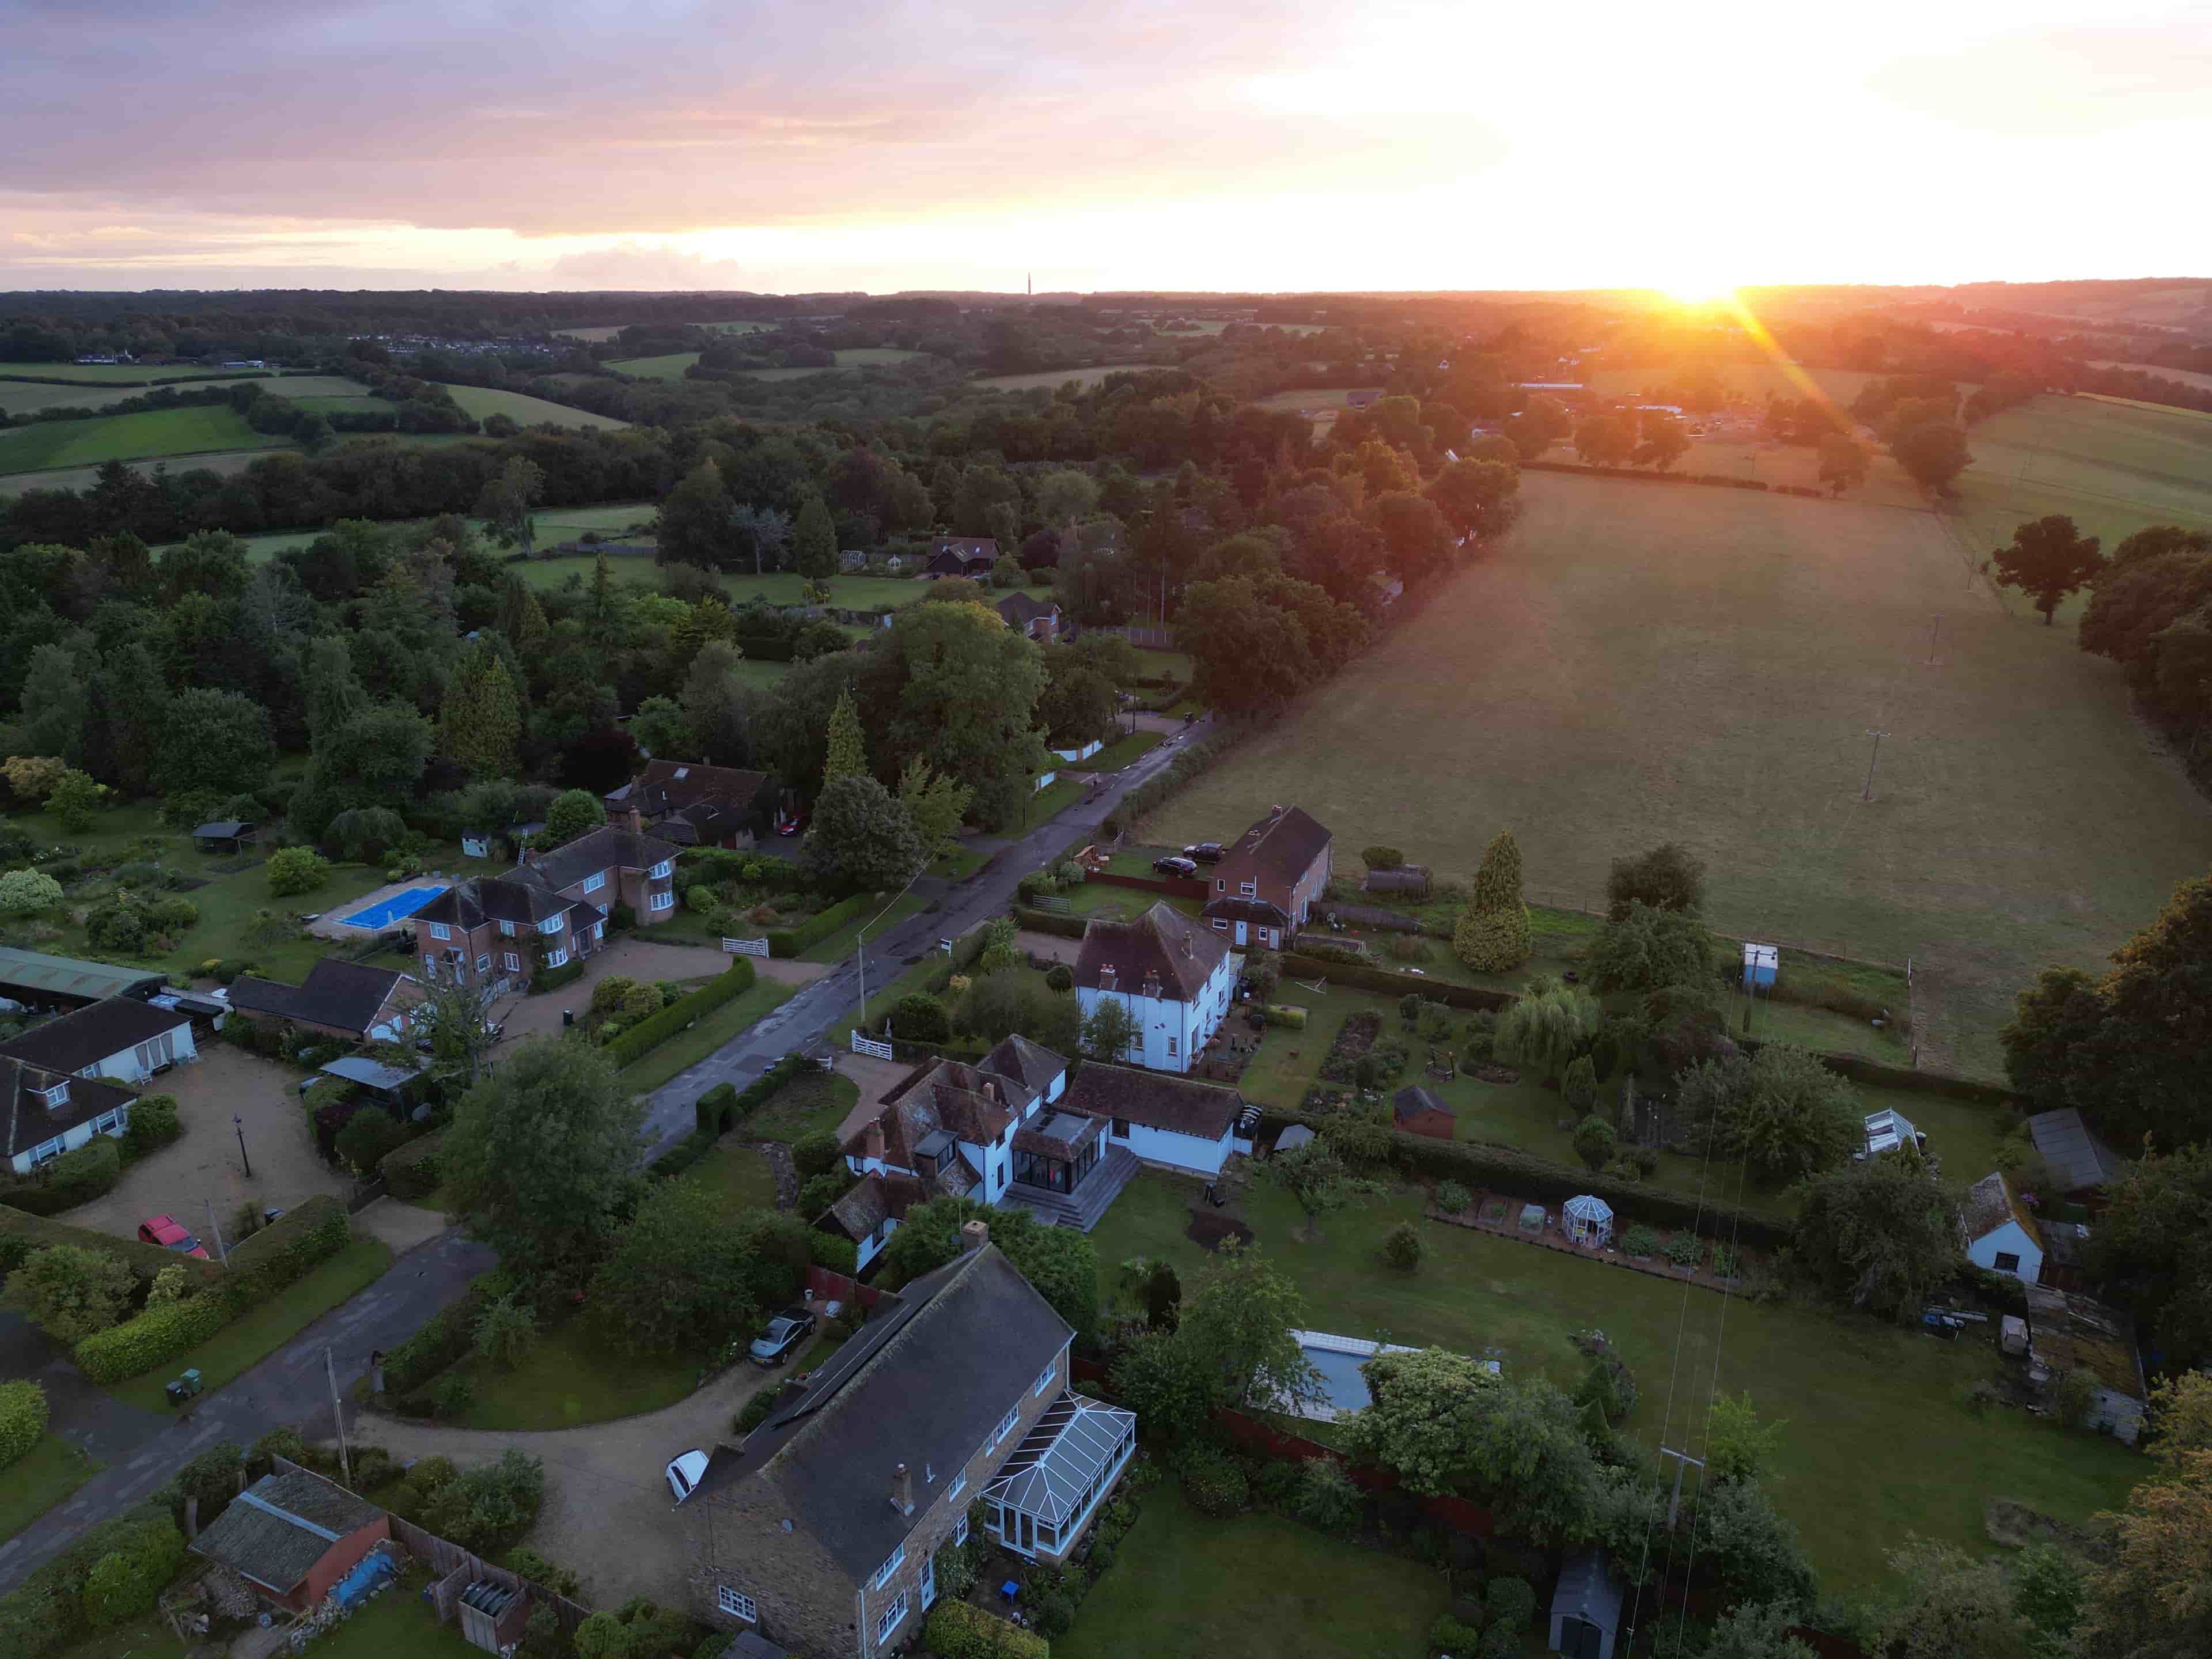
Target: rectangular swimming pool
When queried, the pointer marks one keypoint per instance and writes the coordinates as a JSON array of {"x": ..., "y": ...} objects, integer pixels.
[
  {"x": 386, "y": 911},
  {"x": 1338, "y": 1360}
]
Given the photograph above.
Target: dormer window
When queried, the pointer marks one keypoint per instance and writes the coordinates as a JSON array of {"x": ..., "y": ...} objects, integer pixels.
[{"x": 55, "y": 1094}]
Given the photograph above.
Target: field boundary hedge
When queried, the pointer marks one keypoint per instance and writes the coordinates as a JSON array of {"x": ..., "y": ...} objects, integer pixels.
[
  {"x": 145, "y": 1260},
  {"x": 1713, "y": 480},
  {"x": 790, "y": 941},
  {"x": 651, "y": 1032}
]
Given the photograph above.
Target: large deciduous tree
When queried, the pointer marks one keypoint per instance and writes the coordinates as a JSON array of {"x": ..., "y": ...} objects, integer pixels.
[
  {"x": 214, "y": 740},
  {"x": 862, "y": 839},
  {"x": 1782, "y": 1110},
  {"x": 1479, "y": 498},
  {"x": 542, "y": 1158},
  {"x": 961, "y": 690},
  {"x": 1605, "y": 440},
  {"x": 935, "y": 803},
  {"x": 1667, "y": 878},
  {"x": 1843, "y": 462},
  {"x": 1644, "y": 948},
  {"x": 2154, "y": 1244},
  {"x": 2152, "y": 1599},
  {"x": 573, "y": 812},
  {"x": 1934, "y": 453},
  {"x": 1882, "y": 1234},
  {"x": 2048, "y": 559},
  {"x": 1060, "y": 1262},
  {"x": 508, "y": 504}
]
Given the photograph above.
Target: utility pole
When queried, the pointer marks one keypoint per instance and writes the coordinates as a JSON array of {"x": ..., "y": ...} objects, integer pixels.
[
  {"x": 1682, "y": 1459},
  {"x": 345, "y": 1455},
  {"x": 1935, "y": 633},
  {"x": 861, "y": 943},
  {"x": 239, "y": 1124},
  {"x": 216, "y": 1227},
  {"x": 1866, "y": 793}
]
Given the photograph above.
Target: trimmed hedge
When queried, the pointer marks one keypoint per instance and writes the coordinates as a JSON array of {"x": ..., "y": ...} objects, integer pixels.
[
  {"x": 1177, "y": 775},
  {"x": 957, "y": 1631},
  {"x": 1720, "y": 480},
  {"x": 154, "y": 1337},
  {"x": 412, "y": 1171},
  {"x": 1044, "y": 921},
  {"x": 1299, "y": 966},
  {"x": 716, "y": 1111},
  {"x": 834, "y": 1251},
  {"x": 552, "y": 979},
  {"x": 22, "y": 1419},
  {"x": 1290, "y": 1018},
  {"x": 790, "y": 941},
  {"x": 447, "y": 1338},
  {"x": 308, "y": 1233},
  {"x": 22, "y": 1233},
  {"x": 656, "y": 1029},
  {"x": 723, "y": 864}
]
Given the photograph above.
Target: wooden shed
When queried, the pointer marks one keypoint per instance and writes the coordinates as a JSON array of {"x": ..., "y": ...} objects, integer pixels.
[{"x": 293, "y": 1535}]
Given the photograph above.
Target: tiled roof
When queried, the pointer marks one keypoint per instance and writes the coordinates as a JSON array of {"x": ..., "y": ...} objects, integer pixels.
[
  {"x": 973, "y": 1102},
  {"x": 887, "y": 1397},
  {"x": 1278, "y": 849},
  {"x": 1413, "y": 1100},
  {"x": 1019, "y": 608},
  {"x": 603, "y": 848},
  {"x": 878, "y": 1198},
  {"x": 669, "y": 786},
  {"x": 1990, "y": 1203},
  {"x": 91, "y": 1034},
  {"x": 523, "y": 897},
  {"x": 346, "y": 995},
  {"x": 1026, "y": 1062},
  {"x": 276, "y": 1529},
  {"x": 1230, "y": 907},
  {"x": 1158, "y": 1100},
  {"x": 967, "y": 547},
  {"x": 1163, "y": 943},
  {"x": 26, "y": 1117}
]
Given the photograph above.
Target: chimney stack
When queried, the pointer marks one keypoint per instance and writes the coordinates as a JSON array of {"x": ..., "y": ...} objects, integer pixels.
[
  {"x": 990, "y": 1091},
  {"x": 875, "y": 1142},
  {"x": 902, "y": 1490},
  {"x": 973, "y": 1236},
  {"x": 1105, "y": 975}
]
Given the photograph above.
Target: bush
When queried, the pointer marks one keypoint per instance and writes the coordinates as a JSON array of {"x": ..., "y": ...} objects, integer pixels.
[
  {"x": 839, "y": 1254},
  {"x": 368, "y": 1137},
  {"x": 71, "y": 1292},
  {"x": 1512, "y": 1604},
  {"x": 1452, "y": 1198},
  {"x": 1327, "y": 1500},
  {"x": 1578, "y": 1086},
  {"x": 957, "y": 1630},
  {"x": 84, "y": 1173},
  {"x": 120, "y": 925},
  {"x": 26, "y": 892},
  {"x": 717, "y": 1109},
  {"x": 921, "y": 1018},
  {"x": 1593, "y": 1140},
  {"x": 1290, "y": 1018},
  {"x": 296, "y": 870},
  {"x": 1059, "y": 977},
  {"x": 823, "y": 1190},
  {"x": 611, "y": 993},
  {"x": 485, "y": 1508},
  {"x": 1640, "y": 1240},
  {"x": 22, "y": 1418},
  {"x": 1214, "y": 1482},
  {"x": 506, "y": 1331},
  {"x": 124, "y": 1584},
  {"x": 815, "y": 1154},
  {"x": 1382, "y": 858},
  {"x": 530, "y": 1565},
  {"x": 154, "y": 1338},
  {"x": 755, "y": 1412},
  {"x": 1401, "y": 1247},
  {"x": 1449, "y": 1636},
  {"x": 153, "y": 1123},
  {"x": 412, "y": 1170},
  {"x": 1686, "y": 1249}
]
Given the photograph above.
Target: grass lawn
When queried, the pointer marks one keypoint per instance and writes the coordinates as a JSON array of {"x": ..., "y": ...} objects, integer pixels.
[
  {"x": 1256, "y": 1585},
  {"x": 395, "y": 1620},
  {"x": 760, "y": 675},
  {"x": 1702, "y": 666},
  {"x": 958, "y": 863},
  {"x": 688, "y": 1049},
  {"x": 739, "y": 1175},
  {"x": 247, "y": 1340},
  {"x": 127, "y": 437},
  {"x": 1052, "y": 379},
  {"x": 813, "y": 1102},
  {"x": 884, "y": 998},
  {"x": 141, "y": 374},
  {"x": 40, "y": 1479},
  {"x": 1843, "y": 1386},
  {"x": 1055, "y": 798},
  {"x": 1119, "y": 752},
  {"x": 485, "y": 402},
  {"x": 872, "y": 925},
  {"x": 1164, "y": 665},
  {"x": 149, "y": 1637},
  {"x": 572, "y": 1377},
  {"x": 669, "y": 366}
]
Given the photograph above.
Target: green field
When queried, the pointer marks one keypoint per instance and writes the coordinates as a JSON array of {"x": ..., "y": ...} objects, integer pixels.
[
  {"x": 668, "y": 367},
  {"x": 1053, "y": 379},
  {"x": 483, "y": 402},
  {"x": 1311, "y": 398},
  {"x": 160, "y": 431},
  {"x": 1878, "y": 1440},
  {"x": 106, "y": 374},
  {"x": 222, "y": 461},
  {"x": 25, "y": 398},
  {"x": 1749, "y": 381},
  {"x": 2115, "y": 467},
  {"x": 1639, "y": 663}
]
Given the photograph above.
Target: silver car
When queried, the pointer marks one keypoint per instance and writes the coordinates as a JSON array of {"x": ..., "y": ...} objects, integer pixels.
[{"x": 684, "y": 1471}]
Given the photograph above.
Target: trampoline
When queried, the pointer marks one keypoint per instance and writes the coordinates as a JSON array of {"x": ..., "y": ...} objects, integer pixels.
[{"x": 386, "y": 911}]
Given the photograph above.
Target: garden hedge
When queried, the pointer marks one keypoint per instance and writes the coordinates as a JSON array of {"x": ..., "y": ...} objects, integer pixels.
[
  {"x": 655, "y": 1030},
  {"x": 1297, "y": 966},
  {"x": 790, "y": 941},
  {"x": 716, "y": 1111},
  {"x": 309, "y": 1232},
  {"x": 1045, "y": 921},
  {"x": 552, "y": 979},
  {"x": 1720, "y": 480},
  {"x": 959, "y": 1631},
  {"x": 1177, "y": 775},
  {"x": 48, "y": 1611},
  {"x": 721, "y": 863},
  {"x": 413, "y": 1171},
  {"x": 21, "y": 1233},
  {"x": 447, "y": 1338},
  {"x": 153, "y": 1338},
  {"x": 834, "y": 1251},
  {"x": 22, "y": 1418}
]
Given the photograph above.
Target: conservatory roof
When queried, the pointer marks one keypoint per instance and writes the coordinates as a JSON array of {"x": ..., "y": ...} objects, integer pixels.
[
  {"x": 1590, "y": 1207},
  {"x": 1074, "y": 1442}
]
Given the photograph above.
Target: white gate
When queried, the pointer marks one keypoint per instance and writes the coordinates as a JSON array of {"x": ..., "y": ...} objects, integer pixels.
[
  {"x": 745, "y": 947},
  {"x": 864, "y": 1045}
]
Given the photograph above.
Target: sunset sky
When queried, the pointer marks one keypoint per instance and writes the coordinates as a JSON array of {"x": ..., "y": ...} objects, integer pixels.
[{"x": 771, "y": 145}]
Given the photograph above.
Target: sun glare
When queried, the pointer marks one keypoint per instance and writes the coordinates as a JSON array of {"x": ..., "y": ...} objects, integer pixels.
[{"x": 1697, "y": 291}]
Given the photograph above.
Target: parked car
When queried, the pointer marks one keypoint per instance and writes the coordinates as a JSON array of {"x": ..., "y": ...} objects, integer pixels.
[
  {"x": 1205, "y": 852},
  {"x": 162, "y": 1231},
  {"x": 1172, "y": 865},
  {"x": 683, "y": 1473},
  {"x": 782, "y": 1337}
]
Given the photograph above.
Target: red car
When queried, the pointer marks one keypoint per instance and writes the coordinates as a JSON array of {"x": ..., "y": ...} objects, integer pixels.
[{"x": 162, "y": 1231}]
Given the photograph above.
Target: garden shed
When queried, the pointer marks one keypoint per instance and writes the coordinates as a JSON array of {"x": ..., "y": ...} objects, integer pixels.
[
  {"x": 1410, "y": 880},
  {"x": 1588, "y": 1219},
  {"x": 1585, "y": 1607},
  {"x": 1292, "y": 1139},
  {"x": 225, "y": 836},
  {"x": 293, "y": 1537},
  {"x": 1422, "y": 1111}
]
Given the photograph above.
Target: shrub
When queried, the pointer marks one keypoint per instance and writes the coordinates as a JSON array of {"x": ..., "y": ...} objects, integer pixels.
[
  {"x": 71, "y": 1292},
  {"x": 22, "y": 1418},
  {"x": 958, "y": 1629},
  {"x": 26, "y": 892},
  {"x": 755, "y": 1412},
  {"x": 821, "y": 1191},
  {"x": 1512, "y": 1604},
  {"x": 1667, "y": 877},
  {"x": 124, "y": 1584},
  {"x": 170, "y": 1284},
  {"x": 1640, "y": 1240},
  {"x": 120, "y": 925},
  {"x": 1593, "y": 1141},
  {"x": 1059, "y": 977},
  {"x": 2077, "y": 1393},
  {"x": 529, "y": 1563},
  {"x": 1449, "y": 1636},
  {"x": 717, "y": 1109},
  {"x": 922, "y": 1018},
  {"x": 296, "y": 870},
  {"x": 432, "y": 1475},
  {"x": 1382, "y": 858},
  {"x": 1578, "y": 1086},
  {"x": 450, "y": 1395},
  {"x": 1401, "y": 1247},
  {"x": 154, "y": 1338},
  {"x": 611, "y": 993},
  {"x": 815, "y": 1154},
  {"x": 647, "y": 1034},
  {"x": 1214, "y": 1482},
  {"x": 153, "y": 1123},
  {"x": 1327, "y": 1500},
  {"x": 1452, "y": 1198},
  {"x": 368, "y": 1136},
  {"x": 487, "y": 1507},
  {"x": 1290, "y": 1018},
  {"x": 1686, "y": 1249},
  {"x": 839, "y": 1254},
  {"x": 506, "y": 1331},
  {"x": 412, "y": 1170},
  {"x": 85, "y": 1173}
]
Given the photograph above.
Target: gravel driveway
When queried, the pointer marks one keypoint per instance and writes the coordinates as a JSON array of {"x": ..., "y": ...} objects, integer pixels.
[
  {"x": 632, "y": 959},
  {"x": 608, "y": 1512},
  {"x": 202, "y": 1164}
]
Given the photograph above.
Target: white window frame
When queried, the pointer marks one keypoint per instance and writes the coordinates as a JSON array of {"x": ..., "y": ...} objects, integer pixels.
[
  {"x": 1171, "y": 1048},
  {"x": 439, "y": 930},
  {"x": 1051, "y": 1375},
  {"x": 484, "y": 963},
  {"x": 48, "y": 1151},
  {"x": 54, "y": 1094},
  {"x": 1006, "y": 1427},
  {"x": 960, "y": 1532},
  {"x": 596, "y": 880},
  {"x": 553, "y": 924},
  {"x": 928, "y": 1581},
  {"x": 959, "y": 1485},
  {"x": 108, "y": 1123},
  {"x": 430, "y": 962},
  {"x": 664, "y": 899},
  {"x": 661, "y": 869},
  {"x": 508, "y": 929},
  {"x": 897, "y": 1560},
  {"x": 1249, "y": 889},
  {"x": 891, "y": 1618},
  {"x": 737, "y": 1604},
  {"x": 557, "y": 958},
  {"x": 513, "y": 963}
]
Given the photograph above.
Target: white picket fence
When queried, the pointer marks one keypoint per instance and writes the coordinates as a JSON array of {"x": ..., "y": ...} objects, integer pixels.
[
  {"x": 864, "y": 1045},
  {"x": 745, "y": 947}
]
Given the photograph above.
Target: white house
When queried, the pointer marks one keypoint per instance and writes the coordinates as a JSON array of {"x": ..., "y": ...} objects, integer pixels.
[
  {"x": 1175, "y": 1122},
  {"x": 44, "y": 1114},
  {"x": 2001, "y": 1234},
  {"x": 120, "y": 1038},
  {"x": 1172, "y": 976}
]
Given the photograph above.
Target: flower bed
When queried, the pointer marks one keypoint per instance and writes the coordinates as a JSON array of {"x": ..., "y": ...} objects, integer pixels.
[{"x": 1682, "y": 1256}]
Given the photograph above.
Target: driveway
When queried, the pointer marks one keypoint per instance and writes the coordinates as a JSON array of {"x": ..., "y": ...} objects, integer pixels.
[
  {"x": 608, "y": 1512},
  {"x": 632, "y": 958},
  {"x": 202, "y": 1165}
]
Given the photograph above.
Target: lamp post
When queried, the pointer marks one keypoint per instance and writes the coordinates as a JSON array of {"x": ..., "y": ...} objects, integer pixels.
[{"x": 239, "y": 1124}]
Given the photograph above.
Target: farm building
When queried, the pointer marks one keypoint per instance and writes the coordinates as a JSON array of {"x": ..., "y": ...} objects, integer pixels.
[
  {"x": 293, "y": 1537},
  {"x": 2081, "y": 1162},
  {"x": 2000, "y": 1234},
  {"x": 35, "y": 980},
  {"x": 1422, "y": 1111}
]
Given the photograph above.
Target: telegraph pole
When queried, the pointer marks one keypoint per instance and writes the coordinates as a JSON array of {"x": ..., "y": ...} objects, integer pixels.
[
  {"x": 1935, "y": 633},
  {"x": 1682, "y": 1459},
  {"x": 1866, "y": 793},
  {"x": 345, "y": 1457},
  {"x": 216, "y": 1227}
]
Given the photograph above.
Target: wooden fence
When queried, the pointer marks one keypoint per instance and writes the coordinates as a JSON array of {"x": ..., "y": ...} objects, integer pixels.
[
  {"x": 867, "y": 1045},
  {"x": 1835, "y": 949},
  {"x": 827, "y": 1284},
  {"x": 745, "y": 947}
]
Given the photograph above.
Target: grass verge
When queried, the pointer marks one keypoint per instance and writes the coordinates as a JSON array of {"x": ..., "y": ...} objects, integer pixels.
[
  {"x": 571, "y": 1376},
  {"x": 40, "y": 1479},
  {"x": 811, "y": 1103},
  {"x": 247, "y": 1340},
  {"x": 840, "y": 945},
  {"x": 687, "y": 1048}
]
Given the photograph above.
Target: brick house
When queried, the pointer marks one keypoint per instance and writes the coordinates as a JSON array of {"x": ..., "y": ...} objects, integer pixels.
[
  {"x": 692, "y": 804},
  {"x": 1173, "y": 978},
  {"x": 346, "y": 999},
  {"x": 1037, "y": 619},
  {"x": 499, "y": 933},
  {"x": 293, "y": 1535},
  {"x": 821, "y": 1531},
  {"x": 1015, "y": 1129},
  {"x": 1266, "y": 883}
]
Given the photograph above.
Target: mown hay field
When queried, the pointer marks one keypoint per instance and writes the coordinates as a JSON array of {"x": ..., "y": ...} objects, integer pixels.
[
  {"x": 1053, "y": 379},
  {"x": 160, "y": 431},
  {"x": 485, "y": 402},
  {"x": 1644, "y": 662}
]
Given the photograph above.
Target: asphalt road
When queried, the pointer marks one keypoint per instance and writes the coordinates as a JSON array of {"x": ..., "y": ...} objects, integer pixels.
[{"x": 808, "y": 1016}]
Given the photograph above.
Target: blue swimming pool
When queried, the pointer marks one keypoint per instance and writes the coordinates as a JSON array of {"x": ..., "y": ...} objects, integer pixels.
[
  {"x": 1341, "y": 1384},
  {"x": 386, "y": 911}
]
